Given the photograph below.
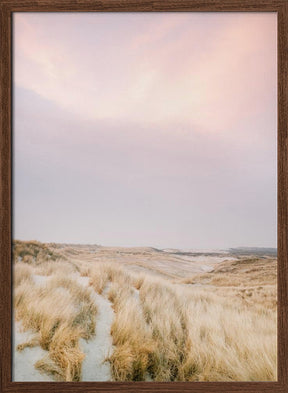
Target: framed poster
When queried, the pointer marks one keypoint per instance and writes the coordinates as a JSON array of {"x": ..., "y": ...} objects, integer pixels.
[{"x": 144, "y": 196}]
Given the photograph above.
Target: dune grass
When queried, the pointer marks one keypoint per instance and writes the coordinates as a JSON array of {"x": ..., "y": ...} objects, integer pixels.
[
  {"x": 252, "y": 280},
  {"x": 173, "y": 332},
  {"x": 222, "y": 329},
  {"x": 22, "y": 272},
  {"x": 204, "y": 337},
  {"x": 59, "y": 313},
  {"x": 34, "y": 252}
]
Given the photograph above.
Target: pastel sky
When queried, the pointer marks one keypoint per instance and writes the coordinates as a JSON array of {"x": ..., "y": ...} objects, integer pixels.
[{"x": 145, "y": 129}]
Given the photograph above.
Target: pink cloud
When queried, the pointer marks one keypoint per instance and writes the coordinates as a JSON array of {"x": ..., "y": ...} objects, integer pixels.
[{"x": 210, "y": 73}]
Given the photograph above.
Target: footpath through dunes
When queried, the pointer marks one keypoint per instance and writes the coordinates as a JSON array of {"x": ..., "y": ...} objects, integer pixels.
[{"x": 95, "y": 366}]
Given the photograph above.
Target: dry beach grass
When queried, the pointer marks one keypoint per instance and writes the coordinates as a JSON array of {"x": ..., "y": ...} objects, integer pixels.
[
  {"x": 59, "y": 313},
  {"x": 217, "y": 326}
]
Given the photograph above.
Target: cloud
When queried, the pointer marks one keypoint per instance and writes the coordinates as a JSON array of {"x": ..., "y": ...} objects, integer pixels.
[
  {"x": 211, "y": 80},
  {"x": 161, "y": 122}
]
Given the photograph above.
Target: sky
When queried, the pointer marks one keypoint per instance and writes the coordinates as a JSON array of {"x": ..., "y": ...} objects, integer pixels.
[{"x": 145, "y": 129}]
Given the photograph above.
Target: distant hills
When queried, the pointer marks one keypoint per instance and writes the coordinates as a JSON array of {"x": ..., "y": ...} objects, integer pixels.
[{"x": 253, "y": 250}]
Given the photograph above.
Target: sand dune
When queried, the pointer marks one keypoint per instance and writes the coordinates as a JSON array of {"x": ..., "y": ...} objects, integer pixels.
[{"x": 96, "y": 313}]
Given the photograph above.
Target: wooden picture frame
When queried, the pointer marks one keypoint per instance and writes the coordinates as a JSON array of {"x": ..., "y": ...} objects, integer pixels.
[{"x": 7, "y": 8}]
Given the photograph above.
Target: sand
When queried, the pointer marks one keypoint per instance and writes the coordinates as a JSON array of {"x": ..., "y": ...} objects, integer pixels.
[{"x": 94, "y": 366}]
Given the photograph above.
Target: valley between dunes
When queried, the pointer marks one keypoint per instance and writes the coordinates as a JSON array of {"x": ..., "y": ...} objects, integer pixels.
[{"x": 93, "y": 313}]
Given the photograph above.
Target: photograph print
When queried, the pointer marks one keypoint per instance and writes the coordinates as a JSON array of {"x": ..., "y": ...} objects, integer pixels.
[{"x": 144, "y": 196}]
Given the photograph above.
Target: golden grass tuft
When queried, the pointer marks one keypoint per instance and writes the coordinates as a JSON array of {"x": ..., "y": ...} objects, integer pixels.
[
  {"x": 65, "y": 352},
  {"x": 48, "y": 268},
  {"x": 60, "y": 312},
  {"x": 34, "y": 252},
  {"x": 132, "y": 338},
  {"x": 103, "y": 273},
  {"x": 22, "y": 272},
  {"x": 48, "y": 366}
]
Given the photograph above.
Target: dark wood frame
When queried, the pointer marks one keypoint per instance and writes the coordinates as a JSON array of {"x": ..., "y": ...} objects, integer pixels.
[{"x": 7, "y": 8}]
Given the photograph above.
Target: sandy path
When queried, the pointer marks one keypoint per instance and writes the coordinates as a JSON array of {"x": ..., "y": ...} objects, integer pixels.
[{"x": 94, "y": 367}]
